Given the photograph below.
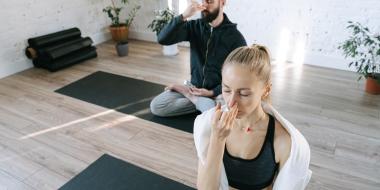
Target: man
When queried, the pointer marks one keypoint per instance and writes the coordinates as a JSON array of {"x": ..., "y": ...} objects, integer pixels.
[{"x": 211, "y": 39}]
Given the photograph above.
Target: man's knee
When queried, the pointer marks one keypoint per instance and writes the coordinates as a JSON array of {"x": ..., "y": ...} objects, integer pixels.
[
  {"x": 205, "y": 104},
  {"x": 158, "y": 108}
]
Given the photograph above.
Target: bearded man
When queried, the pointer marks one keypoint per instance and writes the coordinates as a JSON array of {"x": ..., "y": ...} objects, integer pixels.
[{"x": 211, "y": 38}]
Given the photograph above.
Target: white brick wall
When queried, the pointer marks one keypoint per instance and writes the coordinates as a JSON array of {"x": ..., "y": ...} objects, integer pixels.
[
  {"x": 23, "y": 19},
  {"x": 144, "y": 17},
  {"x": 308, "y": 30},
  {"x": 303, "y": 28}
]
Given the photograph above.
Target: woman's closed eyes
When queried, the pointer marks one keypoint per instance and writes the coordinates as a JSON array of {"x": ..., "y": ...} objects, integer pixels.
[{"x": 245, "y": 94}]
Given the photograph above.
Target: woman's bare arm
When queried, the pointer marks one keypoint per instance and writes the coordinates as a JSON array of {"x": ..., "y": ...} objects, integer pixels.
[{"x": 209, "y": 172}]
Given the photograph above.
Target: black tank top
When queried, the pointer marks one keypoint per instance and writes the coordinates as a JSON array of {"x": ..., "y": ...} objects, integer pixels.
[{"x": 256, "y": 173}]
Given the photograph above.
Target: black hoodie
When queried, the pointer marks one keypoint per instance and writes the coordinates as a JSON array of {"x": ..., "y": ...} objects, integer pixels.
[{"x": 209, "y": 47}]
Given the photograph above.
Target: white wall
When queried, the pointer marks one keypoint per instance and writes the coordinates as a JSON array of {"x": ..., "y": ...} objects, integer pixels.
[
  {"x": 294, "y": 30},
  {"x": 300, "y": 31},
  {"x": 308, "y": 30},
  {"x": 23, "y": 19},
  {"x": 144, "y": 17}
]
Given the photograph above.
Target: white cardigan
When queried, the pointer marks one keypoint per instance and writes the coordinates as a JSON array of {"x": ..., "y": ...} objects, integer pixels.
[{"x": 294, "y": 175}]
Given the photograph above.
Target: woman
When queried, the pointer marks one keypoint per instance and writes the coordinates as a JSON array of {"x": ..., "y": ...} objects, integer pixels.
[{"x": 247, "y": 144}]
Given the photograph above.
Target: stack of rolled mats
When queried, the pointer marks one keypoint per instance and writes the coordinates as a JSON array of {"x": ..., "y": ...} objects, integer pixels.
[{"x": 59, "y": 50}]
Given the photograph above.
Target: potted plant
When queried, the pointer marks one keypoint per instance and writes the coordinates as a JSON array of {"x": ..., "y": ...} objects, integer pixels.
[
  {"x": 364, "y": 48},
  {"x": 163, "y": 17},
  {"x": 119, "y": 29}
]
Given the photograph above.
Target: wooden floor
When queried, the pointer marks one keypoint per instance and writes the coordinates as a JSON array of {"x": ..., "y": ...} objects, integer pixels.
[{"x": 47, "y": 138}]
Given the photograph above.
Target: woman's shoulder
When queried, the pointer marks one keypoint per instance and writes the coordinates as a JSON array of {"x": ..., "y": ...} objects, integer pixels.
[
  {"x": 281, "y": 134},
  {"x": 285, "y": 127},
  {"x": 293, "y": 148},
  {"x": 282, "y": 142}
]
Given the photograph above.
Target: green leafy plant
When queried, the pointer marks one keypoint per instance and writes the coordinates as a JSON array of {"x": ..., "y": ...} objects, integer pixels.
[
  {"x": 113, "y": 12},
  {"x": 364, "y": 48},
  {"x": 162, "y": 18}
]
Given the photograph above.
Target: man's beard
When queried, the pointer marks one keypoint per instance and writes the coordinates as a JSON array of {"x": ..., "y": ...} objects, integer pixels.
[{"x": 209, "y": 16}]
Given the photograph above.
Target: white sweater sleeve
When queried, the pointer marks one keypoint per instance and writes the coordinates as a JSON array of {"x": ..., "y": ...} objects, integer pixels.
[{"x": 202, "y": 133}]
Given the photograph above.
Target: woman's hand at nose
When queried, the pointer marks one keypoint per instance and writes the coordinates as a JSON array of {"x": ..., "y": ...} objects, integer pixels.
[{"x": 223, "y": 122}]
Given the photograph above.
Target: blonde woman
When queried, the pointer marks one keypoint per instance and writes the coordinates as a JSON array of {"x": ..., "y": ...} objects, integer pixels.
[{"x": 247, "y": 144}]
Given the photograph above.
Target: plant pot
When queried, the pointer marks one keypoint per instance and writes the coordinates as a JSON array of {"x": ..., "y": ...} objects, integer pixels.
[
  {"x": 372, "y": 86},
  {"x": 170, "y": 50},
  {"x": 122, "y": 49},
  {"x": 119, "y": 33}
]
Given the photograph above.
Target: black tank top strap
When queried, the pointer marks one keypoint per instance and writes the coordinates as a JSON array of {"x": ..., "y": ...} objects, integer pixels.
[{"x": 271, "y": 129}]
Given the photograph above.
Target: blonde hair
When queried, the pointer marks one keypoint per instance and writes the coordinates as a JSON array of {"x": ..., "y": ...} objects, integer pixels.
[{"x": 256, "y": 58}]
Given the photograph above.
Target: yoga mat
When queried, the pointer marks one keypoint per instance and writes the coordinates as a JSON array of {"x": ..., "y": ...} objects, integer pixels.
[
  {"x": 73, "y": 58},
  {"x": 60, "y": 49},
  {"x": 126, "y": 95},
  {"x": 53, "y": 38},
  {"x": 68, "y": 60},
  {"x": 55, "y": 52},
  {"x": 50, "y": 53},
  {"x": 109, "y": 173}
]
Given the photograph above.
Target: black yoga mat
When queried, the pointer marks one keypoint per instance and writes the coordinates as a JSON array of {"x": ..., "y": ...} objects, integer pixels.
[
  {"x": 60, "y": 49},
  {"x": 109, "y": 173},
  {"x": 55, "y": 52},
  {"x": 126, "y": 95},
  {"x": 67, "y": 60},
  {"x": 53, "y": 38}
]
